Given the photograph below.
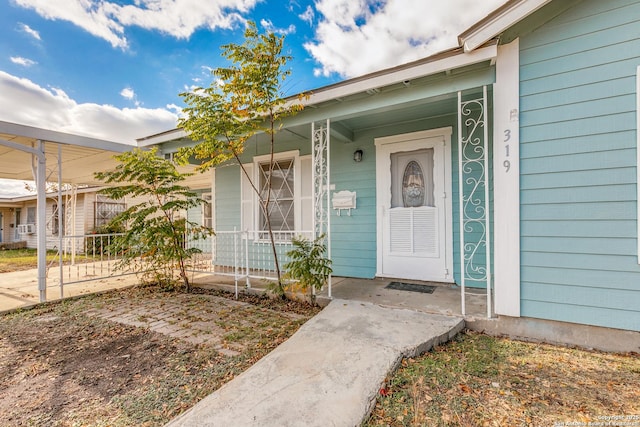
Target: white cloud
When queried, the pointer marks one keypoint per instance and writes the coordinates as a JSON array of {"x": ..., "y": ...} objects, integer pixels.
[
  {"x": 14, "y": 187},
  {"x": 91, "y": 16},
  {"x": 175, "y": 108},
  {"x": 354, "y": 37},
  {"x": 270, "y": 28},
  {"x": 27, "y": 29},
  {"x": 130, "y": 94},
  {"x": 22, "y": 101},
  {"x": 25, "y": 62},
  {"x": 308, "y": 15},
  {"x": 292, "y": 5},
  {"x": 127, "y": 93},
  {"x": 108, "y": 20}
]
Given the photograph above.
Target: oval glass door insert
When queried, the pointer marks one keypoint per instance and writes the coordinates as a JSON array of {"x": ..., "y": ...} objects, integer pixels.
[{"x": 413, "y": 188}]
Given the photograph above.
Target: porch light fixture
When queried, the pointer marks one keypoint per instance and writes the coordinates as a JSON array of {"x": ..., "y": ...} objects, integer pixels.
[{"x": 357, "y": 156}]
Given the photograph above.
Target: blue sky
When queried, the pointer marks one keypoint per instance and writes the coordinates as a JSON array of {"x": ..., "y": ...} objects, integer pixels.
[{"x": 113, "y": 69}]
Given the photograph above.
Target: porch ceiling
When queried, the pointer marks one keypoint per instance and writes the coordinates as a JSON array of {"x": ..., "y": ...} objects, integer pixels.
[
  {"x": 402, "y": 114},
  {"x": 81, "y": 156},
  {"x": 408, "y": 101},
  {"x": 347, "y": 126}
]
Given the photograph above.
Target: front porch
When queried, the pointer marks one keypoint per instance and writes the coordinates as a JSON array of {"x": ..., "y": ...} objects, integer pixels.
[
  {"x": 444, "y": 300},
  {"x": 451, "y": 244}
]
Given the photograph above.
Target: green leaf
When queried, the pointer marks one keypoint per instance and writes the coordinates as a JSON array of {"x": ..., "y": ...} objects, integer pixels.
[{"x": 154, "y": 229}]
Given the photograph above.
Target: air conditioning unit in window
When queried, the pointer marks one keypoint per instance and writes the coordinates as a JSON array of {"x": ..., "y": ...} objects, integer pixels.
[{"x": 26, "y": 228}]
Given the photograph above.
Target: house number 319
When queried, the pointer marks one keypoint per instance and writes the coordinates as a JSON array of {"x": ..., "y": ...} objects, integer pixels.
[{"x": 507, "y": 137}]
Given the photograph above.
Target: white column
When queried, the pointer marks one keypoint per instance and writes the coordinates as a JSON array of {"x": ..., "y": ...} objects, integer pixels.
[
  {"x": 328, "y": 201},
  {"x": 60, "y": 223},
  {"x": 320, "y": 149},
  {"x": 463, "y": 299},
  {"x": 638, "y": 153},
  {"x": 41, "y": 177},
  {"x": 506, "y": 180},
  {"x": 487, "y": 201}
]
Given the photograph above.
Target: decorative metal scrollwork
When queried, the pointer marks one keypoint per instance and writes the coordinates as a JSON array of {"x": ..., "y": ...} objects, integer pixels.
[
  {"x": 320, "y": 178},
  {"x": 474, "y": 203}
]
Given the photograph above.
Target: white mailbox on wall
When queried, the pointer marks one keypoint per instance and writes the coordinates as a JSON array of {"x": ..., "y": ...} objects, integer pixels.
[{"x": 344, "y": 200}]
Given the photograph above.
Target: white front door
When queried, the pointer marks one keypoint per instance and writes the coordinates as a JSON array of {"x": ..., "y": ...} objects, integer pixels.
[{"x": 413, "y": 189}]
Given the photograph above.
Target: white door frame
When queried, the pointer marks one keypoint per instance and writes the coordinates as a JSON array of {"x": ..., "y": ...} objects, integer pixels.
[{"x": 383, "y": 191}]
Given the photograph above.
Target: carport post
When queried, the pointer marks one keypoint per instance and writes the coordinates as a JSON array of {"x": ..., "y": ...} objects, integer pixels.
[
  {"x": 61, "y": 220},
  {"x": 41, "y": 177}
]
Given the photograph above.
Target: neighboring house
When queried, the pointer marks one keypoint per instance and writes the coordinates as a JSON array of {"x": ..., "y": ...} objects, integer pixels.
[
  {"x": 541, "y": 98},
  {"x": 83, "y": 211}
]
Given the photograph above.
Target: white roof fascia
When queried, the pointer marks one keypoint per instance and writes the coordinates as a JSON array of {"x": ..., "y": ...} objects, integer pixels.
[
  {"x": 360, "y": 85},
  {"x": 422, "y": 70},
  {"x": 32, "y": 197},
  {"x": 171, "y": 135},
  {"x": 497, "y": 22},
  {"x": 62, "y": 138}
]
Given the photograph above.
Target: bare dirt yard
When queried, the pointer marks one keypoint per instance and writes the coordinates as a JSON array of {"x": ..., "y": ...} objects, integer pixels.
[
  {"x": 132, "y": 357},
  {"x": 139, "y": 357}
]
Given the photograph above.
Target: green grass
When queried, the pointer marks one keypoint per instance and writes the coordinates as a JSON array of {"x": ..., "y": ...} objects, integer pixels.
[{"x": 26, "y": 259}]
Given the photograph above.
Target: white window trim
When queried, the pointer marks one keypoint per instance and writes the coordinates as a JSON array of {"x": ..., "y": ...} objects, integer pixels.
[
  {"x": 297, "y": 181},
  {"x": 35, "y": 214},
  {"x": 210, "y": 202},
  {"x": 214, "y": 223}
]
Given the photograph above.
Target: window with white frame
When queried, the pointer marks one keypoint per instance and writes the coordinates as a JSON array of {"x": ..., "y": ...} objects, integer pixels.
[
  {"x": 105, "y": 209},
  {"x": 290, "y": 195},
  {"x": 280, "y": 194},
  {"x": 57, "y": 219},
  {"x": 31, "y": 215},
  {"x": 207, "y": 211}
]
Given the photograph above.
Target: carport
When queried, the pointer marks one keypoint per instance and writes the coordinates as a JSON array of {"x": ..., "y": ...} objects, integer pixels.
[{"x": 30, "y": 153}]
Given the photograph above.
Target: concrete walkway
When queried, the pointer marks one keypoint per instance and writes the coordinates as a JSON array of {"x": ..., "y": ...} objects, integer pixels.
[
  {"x": 328, "y": 373},
  {"x": 20, "y": 288}
]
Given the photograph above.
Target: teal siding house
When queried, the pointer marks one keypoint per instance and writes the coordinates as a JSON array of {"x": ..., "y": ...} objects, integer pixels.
[{"x": 509, "y": 163}]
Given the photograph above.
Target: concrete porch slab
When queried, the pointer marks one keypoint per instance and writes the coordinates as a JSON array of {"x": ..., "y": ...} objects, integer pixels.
[{"x": 446, "y": 298}]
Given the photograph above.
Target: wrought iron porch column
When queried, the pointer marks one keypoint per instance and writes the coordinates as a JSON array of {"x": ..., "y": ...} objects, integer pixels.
[
  {"x": 320, "y": 153},
  {"x": 474, "y": 202}
]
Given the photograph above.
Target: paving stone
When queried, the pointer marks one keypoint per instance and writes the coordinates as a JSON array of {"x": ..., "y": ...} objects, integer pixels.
[{"x": 156, "y": 324}]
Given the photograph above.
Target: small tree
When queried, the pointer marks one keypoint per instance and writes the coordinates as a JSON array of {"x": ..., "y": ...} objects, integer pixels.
[
  {"x": 308, "y": 265},
  {"x": 243, "y": 100},
  {"x": 155, "y": 231}
]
